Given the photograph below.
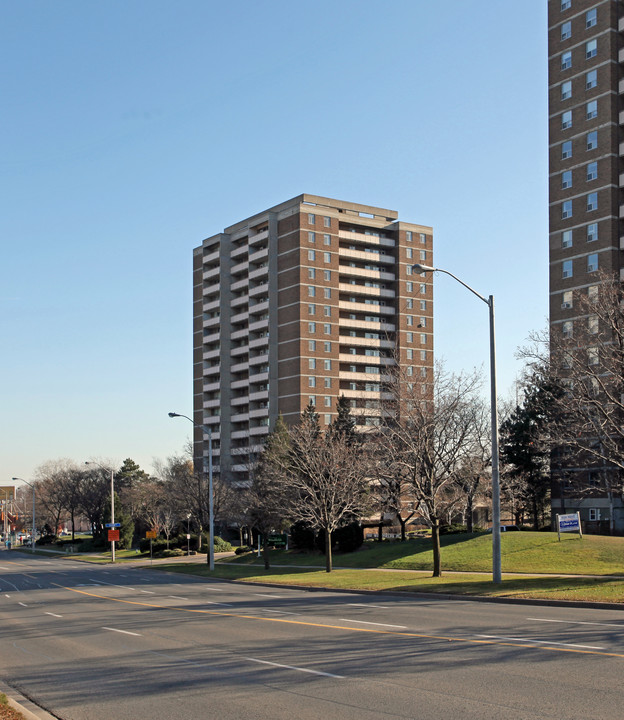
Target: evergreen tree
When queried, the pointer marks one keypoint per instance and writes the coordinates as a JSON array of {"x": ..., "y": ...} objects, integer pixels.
[{"x": 344, "y": 424}]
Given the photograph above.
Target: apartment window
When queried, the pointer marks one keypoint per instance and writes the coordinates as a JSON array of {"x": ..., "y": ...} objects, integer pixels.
[
  {"x": 327, "y": 401},
  {"x": 327, "y": 329},
  {"x": 566, "y": 60},
  {"x": 423, "y": 255},
  {"x": 566, "y": 30},
  {"x": 327, "y": 222},
  {"x": 327, "y": 382},
  {"x": 311, "y": 255},
  {"x": 312, "y": 237},
  {"x": 591, "y": 109},
  {"x": 409, "y": 319},
  {"x": 311, "y": 364},
  {"x": 591, "y": 48},
  {"x": 327, "y": 311},
  {"x": 423, "y": 355},
  {"x": 409, "y": 354},
  {"x": 566, "y": 150},
  {"x": 592, "y": 356},
  {"x": 567, "y": 329},
  {"x": 566, "y": 209},
  {"x": 592, "y": 293},
  {"x": 410, "y": 303},
  {"x": 311, "y": 381},
  {"x": 311, "y": 291},
  {"x": 591, "y": 79},
  {"x": 423, "y": 289},
  {"x": 566, "y": 120},
  {"x": 566, "y": 90},
  {"x": 592, "y": 262},
  {"x": 567, "y": 300},
  {"x": 592, "y": 201},
  {"x": 408, "y": 270},
  {"x": 311, "y": 219},
  {"x": 410, "y": 370},
  {"x": 409, "y": 287},
  {"x": 423, "y": 322},
  {"x": 327, "y": 364},
  {"x": 408, "y": 253},
  {"x": 565, "y": 5},
  {"x": 328, "y": 348},
  {"x": 311, "y": 309},
  {"x": 327, "y": 275},
  {"x": 592, "y": 324},
  {"x": 567, "y": 269},
  {"x": 327, "y": 293},
  {"x": 312, "y": 399},
  {"x": 592, "y": 232},
  {"x": 327, "y": 257},
  {"x": 594, "y": 514},
  {"x": 592, "y": 171},
  {"x": 423, "y": 339},
  {"x": 592, "y": 140},
  {"x": 566, "y": 179},
  {"x": 423, "y": 238},
  {"x": 327, "y": 419},
  {"x": 410, "y": 337},
  {"x": 327, "y": 239},
  {"x": 312, "y": 328},
  {"x": 566, "y": 239},
  {"x": 312, "y": 345},
  {"x": 423, "y": 304},
  {"x": 408, "y": 236},
  {"x": 311, "y": 273}
]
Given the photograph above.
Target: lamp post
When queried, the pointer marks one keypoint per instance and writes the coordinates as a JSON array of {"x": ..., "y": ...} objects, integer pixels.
[
  {"x": 112, "y": 472},
  {"x": 496, "y": 533},
  {"x": 207, "y": 431},
  {"x": 33, "y": 534}
]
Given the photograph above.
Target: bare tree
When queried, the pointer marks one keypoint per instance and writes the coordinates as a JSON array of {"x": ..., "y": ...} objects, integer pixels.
[
  {"x": 427, "y": 435},
  {"x": 327, "y": 478},
  {"x": 52, "y": 480}
]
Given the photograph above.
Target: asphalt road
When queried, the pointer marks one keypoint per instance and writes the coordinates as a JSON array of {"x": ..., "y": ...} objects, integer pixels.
[{"x": 89, "y": 642}]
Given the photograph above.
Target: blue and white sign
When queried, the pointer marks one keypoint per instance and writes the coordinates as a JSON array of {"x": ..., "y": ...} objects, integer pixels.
[
  {"x": 570, "y": 522},
  {"x": 112, "y": 525}
]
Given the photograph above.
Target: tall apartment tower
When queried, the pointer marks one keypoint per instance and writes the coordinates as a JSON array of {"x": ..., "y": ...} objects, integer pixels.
[
  {"x": 586, "y": 178},
  {"x": 309, "y": 300},
  {"x": 585, "y": 158}
]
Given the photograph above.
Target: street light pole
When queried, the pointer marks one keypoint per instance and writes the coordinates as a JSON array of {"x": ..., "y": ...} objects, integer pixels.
[
  {"x": 496, "y": 532},
  {"x": 207, "y": 431},
  {"x": 112, "y": 485},
  {"x": 33, "y": 534}
]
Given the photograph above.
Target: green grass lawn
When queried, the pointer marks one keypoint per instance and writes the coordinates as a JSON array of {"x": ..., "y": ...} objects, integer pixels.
[{"x": 521, "y": 552}]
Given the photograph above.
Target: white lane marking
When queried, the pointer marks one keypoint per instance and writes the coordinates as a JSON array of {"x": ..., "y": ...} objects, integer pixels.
[
  {"x": 125, "y": 587},
  {"x": 212, "y": 602},
  {"x": 125, "y": 632},
  {"x": 578, "y": 622},
  {"x": 363, "y": 622},
  {"x": 7, "y": 595},
  {"x": 540, "y": 642},
  {"x": 177, "y": 597},
  {"x": 53, "y": 614},
  {"x": 273, "y": 597},
  {"x": 366, "y": 605},
  {"x": 148, "y": 592},
  {"x": 3, "y": 567},
  {"x": 22, "y": 604},
  {"x": 278, "y": 612},
  {"x": 214, "y": 589},
  {"x": 293, "y": 667}
]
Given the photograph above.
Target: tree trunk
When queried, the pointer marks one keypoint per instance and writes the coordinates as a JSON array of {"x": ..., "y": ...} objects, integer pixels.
[
  {"x": 380, "y": 532},
  {"x": 469, "y": 511},
  {"x": 435, "y": 541},
  {"x": 265, "y": 550},
  {"x": 73, "y": 522},
  {"x": 328, "y": 551},
  {"x": 403, "y": 524}
]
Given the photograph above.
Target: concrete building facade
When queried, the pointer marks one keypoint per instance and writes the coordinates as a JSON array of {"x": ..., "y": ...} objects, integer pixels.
[
  {"x": 586, "y": 177},
  {"x": 309, "y": 300}
]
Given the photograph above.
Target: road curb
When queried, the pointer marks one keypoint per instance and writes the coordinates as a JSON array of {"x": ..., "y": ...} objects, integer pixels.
[{"x": 29, "y": 710}]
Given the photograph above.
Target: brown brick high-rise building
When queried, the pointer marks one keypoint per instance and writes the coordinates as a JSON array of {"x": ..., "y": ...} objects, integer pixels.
[
  {"x": 306, "y": 301},
  {"x": 586, "y": 146}
]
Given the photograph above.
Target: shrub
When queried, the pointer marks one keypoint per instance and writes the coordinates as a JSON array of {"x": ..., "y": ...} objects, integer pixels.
[
  {"x": 302, "y": 537},
  {"x": 452, "y": 529},
  {"x": 350, "y": 537},
  {"x": 242, "y": 549},
  {"x": 47, "y": 539},
  {"x": 221, "y": 545}
]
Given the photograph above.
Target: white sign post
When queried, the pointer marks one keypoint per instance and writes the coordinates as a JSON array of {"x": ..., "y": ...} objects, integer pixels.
[{"x": 569, "y": 523}]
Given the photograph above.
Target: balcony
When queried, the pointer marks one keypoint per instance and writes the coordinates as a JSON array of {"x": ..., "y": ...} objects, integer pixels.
[
  {"x": 366, "y": 324},
  {"x": 356, "y": 237},
  {"x": 375, "y": 257}
]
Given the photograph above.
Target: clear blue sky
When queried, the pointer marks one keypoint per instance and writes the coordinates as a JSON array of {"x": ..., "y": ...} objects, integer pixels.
[{"x": 132, "y": 130}]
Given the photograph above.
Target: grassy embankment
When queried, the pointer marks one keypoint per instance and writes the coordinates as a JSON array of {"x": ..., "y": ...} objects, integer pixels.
[{"x": 392, "y": 566}]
